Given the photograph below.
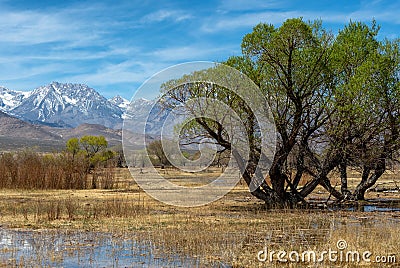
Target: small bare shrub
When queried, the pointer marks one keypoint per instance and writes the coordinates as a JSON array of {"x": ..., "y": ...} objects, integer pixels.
[
  {"x": 71, "y": 207},
  {"x": 53, "y": 210},
  {"x": 30, "y": 170}
]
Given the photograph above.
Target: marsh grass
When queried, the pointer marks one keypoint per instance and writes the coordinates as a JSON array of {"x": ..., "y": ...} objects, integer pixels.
[
  {"x": 225, "y": 232},
  {"x": 229, "y": 231}
]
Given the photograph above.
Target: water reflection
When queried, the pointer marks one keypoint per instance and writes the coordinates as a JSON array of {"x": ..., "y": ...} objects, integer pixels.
[
  {"x": 374, "y": 208},
  {"x": 82, "y": 249}
]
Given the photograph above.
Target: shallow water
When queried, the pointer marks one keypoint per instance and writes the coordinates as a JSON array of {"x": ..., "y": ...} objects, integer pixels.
[
  {"x": 373, "y": 205},
  {"x": 375, "y": 208},
  {"x": 82, "y": 249},
  {"x": 377, "y": 205}
]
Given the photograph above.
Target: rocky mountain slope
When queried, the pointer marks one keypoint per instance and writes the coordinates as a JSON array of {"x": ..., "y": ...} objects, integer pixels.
[
  {"x": 13, "y": 127},
  {"x": 68, "y": 105},
  {"x": 16, "y": 134}
]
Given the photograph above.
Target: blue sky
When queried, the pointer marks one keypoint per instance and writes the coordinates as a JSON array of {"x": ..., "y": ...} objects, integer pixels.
[{"x": 114, "y": 46}]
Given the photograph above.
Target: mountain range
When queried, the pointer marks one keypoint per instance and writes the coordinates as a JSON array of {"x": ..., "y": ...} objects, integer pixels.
[
  {"x": 63, "y": 105},
  {"x": 58, "y": 111}
]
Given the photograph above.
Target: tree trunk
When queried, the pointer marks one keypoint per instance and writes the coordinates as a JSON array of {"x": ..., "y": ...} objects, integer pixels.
[
  {"x": 276, "y": 175},
  {"x": 299, "y": 166},
  {"x": 332, "y": 161},
  {"x": 369, "y": 181},
  {"x": 262, "y": 191},
  {"x": 343, "y": 180},
  {"x": 94, "y": 180},
  {"x": 327, "y": 185}
]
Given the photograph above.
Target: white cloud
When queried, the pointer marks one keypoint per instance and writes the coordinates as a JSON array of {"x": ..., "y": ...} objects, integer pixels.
[
  {"x": 130, "y": 71},
  {"x": 234, "y": 21},
  {"x": 390, "y": 16},
  {"x": 195, "y": 52},
  {"x": 64, "y": 56},
  {"x": 30, "y": 27},
  {"x": 162, "y": 15}
]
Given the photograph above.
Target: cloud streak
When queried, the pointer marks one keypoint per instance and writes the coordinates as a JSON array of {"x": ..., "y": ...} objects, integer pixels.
[
  {"x": 165, "y": 15},
  {"x": 367, "y": 12},
  {"x": 31, "y": 28},
  {"x": 187, "y": 53}
]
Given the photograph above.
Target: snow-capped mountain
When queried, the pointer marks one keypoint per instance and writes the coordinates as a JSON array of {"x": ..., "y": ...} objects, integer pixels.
[
  {"x": 68, "y": 105},
  {"x": 150, "y": 116},
  {"x": 120, "y": 102},
  {"x": 9, "y": 99}
]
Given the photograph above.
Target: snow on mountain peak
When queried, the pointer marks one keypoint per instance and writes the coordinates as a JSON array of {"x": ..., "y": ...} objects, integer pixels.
[
  {"x": 120, "y": 102},
  {"x": 11, "y": 98},
  {"x": 69, "y": 104}
]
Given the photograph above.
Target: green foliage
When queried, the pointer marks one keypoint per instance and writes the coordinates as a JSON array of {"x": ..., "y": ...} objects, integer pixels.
[
  {"x": 91, "y": 148},
  {"x": 93, "y": 144},
  {"x": 73, "y": 146},
  {"x": 102, "y": 157}
]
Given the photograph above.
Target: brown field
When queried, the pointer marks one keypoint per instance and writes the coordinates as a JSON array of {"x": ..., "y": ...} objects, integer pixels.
[{"x": 229, "y": 231}]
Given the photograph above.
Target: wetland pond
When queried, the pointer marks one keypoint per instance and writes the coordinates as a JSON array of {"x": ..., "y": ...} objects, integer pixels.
[
  {"x": 49, "y": 248},
  {"x": 72, "y": 248}
]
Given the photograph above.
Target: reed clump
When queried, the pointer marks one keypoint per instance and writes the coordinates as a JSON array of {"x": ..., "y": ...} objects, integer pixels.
[{"x": 31, "y": 170}]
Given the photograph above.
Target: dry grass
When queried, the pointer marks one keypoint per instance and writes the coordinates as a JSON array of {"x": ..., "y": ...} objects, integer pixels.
[
  {"x": 31, "y": 170},
  {"x": 231, "y": 230}
]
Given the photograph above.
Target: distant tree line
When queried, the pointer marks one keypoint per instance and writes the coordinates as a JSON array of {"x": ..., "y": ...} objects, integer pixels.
[{"x": 86, "y": 163}]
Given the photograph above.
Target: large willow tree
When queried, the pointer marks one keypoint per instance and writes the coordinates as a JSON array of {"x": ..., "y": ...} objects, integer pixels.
[{"x": 334, "y": 101}]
